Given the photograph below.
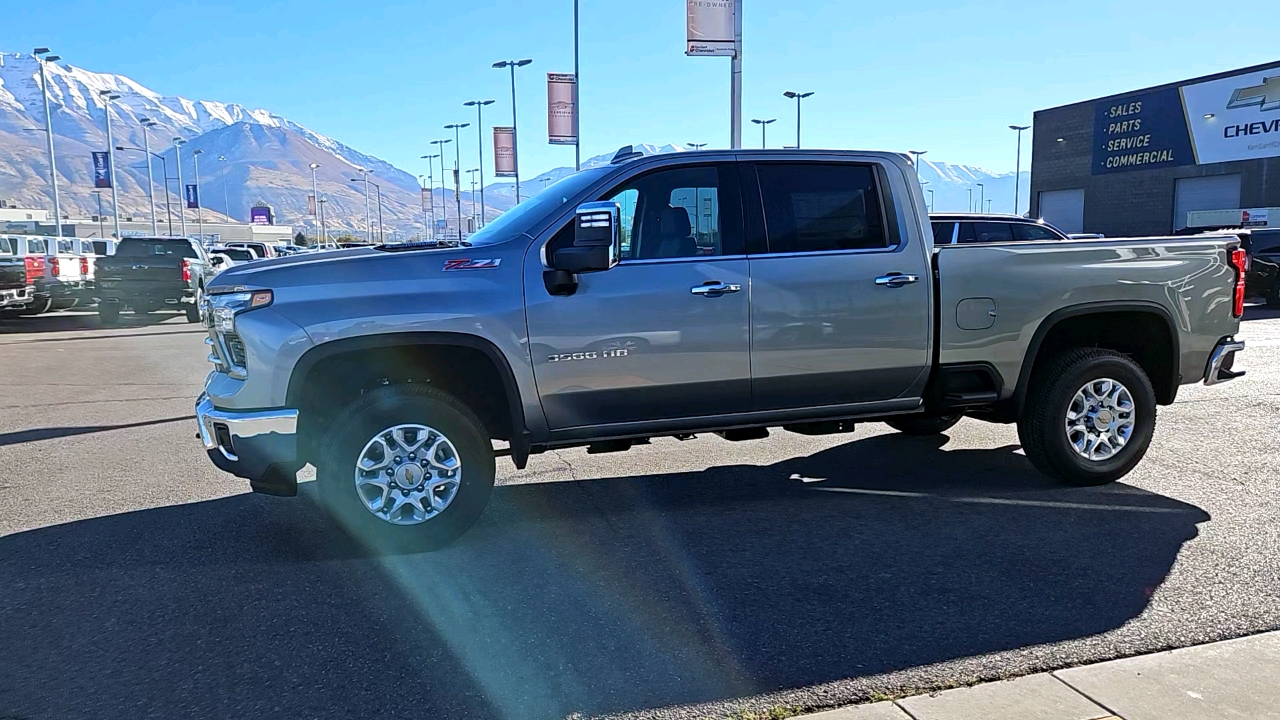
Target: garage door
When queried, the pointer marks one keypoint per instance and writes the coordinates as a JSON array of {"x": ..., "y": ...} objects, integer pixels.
[
  {"x": 1063, "y": 209},
  {"x": 1219, "y": 192}
]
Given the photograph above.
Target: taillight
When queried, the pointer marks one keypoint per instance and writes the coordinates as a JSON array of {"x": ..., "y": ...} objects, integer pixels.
[
  {"x": 1239, "y": 261},
  {"x": 53, "y": 267},
  {"x": 84, "y": 267},
  {"x": 186, "y": 271},
  {"x": 35, "y": 268}
]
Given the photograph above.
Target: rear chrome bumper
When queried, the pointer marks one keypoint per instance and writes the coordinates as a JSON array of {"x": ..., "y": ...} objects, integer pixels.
[
  {"x": 260, "y": 446},
  {"x": 1222, "y": 361},
  {"x": 17, "y": 297}
]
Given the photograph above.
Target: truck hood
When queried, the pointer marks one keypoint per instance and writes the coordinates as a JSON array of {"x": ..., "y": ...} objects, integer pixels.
[{"x": 326, "y": 267}]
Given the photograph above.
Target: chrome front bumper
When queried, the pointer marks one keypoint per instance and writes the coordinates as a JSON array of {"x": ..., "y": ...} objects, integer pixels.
[
  {"x": 1222, "y": 361},
  {"x": 249, "y": 444}
]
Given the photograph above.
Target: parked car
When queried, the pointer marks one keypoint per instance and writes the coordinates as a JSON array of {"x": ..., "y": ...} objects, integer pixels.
[
  {"x": 1263, "y": 278},
  {"x": 147, "y": 274},
  {"x": 91, "y": 249},
  {"x": 970, "y": 228},
  {"x": 234, "y": 256},
  {"x": 56, "y": 271},
  {"x": 824, "y": 303},
  {"x": 261, "y": 249},
  {"x": 17, "y": 283}
]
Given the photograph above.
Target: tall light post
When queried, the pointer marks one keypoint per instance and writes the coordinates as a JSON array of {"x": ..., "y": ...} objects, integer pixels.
[
  {"x": 932, "y": 202},
  {"x": 1017, "y": 172},
  {"x": 515, "y": 143},
  {"x": 545, "y": 182},
  {"x": 797, "y": 97},
  {"x": 226, "y": 204},
  {"x": 422, "y": 201},
  {"x": 431, "y": 189},
  {"x": 917, "y": 154},
  {"x": 367, "y": 182},
  {"x": 147, "y": 124},
  {"x": 472, "y": 172},
  {"x": 763, "y": 124},
  {"x": 324, "y": 226},
  {"x": 696, "y": 146},
  {"x": 457, "y": 169},
  {"x": 479, "y": 105},
  {"x": 989, "y": 205},
  {"x": 42, "y": 57},
  {"x": 970, "y": 199},
  {"x": 164, "y": 168},
  {"x": 195, "y": 159},
  {"x": 182, "y": 190},
  {"x": 315, "y": 196},
  {"x": 368, "y": 219},
  {"x": 982, "y": 197},
  {"x": 577, "y": 107},
  {"x": 107, "y": 96},
  {"x": 444, "y": 201}
]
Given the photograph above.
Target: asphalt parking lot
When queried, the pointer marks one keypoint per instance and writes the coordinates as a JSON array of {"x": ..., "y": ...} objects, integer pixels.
[{"x": 677, "y": 580}]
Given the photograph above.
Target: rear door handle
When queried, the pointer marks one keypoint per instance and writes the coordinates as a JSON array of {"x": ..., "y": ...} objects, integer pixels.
[
  {"x": 895, "y": 280},
  {"x": 715, "y": 289}
]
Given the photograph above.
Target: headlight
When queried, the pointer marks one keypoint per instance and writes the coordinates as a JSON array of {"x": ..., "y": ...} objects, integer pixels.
[{"x": 224, "y": 308}]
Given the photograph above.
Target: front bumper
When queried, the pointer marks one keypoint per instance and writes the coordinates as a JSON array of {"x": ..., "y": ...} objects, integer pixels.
[
  {"x": 1222, "y": 360},
  {"x": 260, "y": 446}
]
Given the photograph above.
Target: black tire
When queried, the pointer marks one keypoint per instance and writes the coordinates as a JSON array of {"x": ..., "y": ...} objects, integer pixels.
[
  {"x": 1273, "y": 298},
  {"x": 193, "y": 310},
  {"x": 1042, "y": 425},
  {"x": 108, "y": 314},
  {"x": 37, "y": 307},
  {"x": 384, "y": 408},
  {"x": 924, "y": 425}
]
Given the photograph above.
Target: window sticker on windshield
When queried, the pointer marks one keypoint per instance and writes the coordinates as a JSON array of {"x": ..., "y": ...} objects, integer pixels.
[{"x": 465, "y": 264}]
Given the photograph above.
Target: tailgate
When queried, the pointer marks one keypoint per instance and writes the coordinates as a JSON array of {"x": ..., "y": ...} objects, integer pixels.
[
  {"x": 13, "y": 272},
  {"x": 139, "y": 273},
  {"x": 68, "y": 268}
]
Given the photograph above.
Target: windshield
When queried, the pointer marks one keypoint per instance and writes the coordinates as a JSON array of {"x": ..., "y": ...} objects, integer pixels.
[{"x": 517, "y": 219}]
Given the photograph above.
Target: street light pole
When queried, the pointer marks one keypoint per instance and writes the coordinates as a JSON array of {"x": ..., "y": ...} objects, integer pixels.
[
  {"x": 763, "y": 124},
  {"x": 444, "y": 202},
  {"x": 472, "y": 172},
  {"x": 982, "y": 197},
  {"x": 42, "y": 57},
  {"x": 515, "y": 135},
  {"x": 382, "y": 228},
  {"x": 182, "y": 190},
  {"x": 195, "y": 158},
  {"x": 324, "y": 226},
  {"x": 422, "y": 201},
  {"x": 917, "y": 153},
  {"x": 226, "y": 204},
  {"x": 577, "y": 106},
  {"x": 457, "y": 169},
  {"x": 148, "y": 123},
  {"x": 1017, "y": 172},
  {"x": 431, "y": 189},
  {"x": 480, "y": 145},
  {"x": 696, "y": 146},
  {"x": 735, "y": 80},
  {"x": 970, "y": 199},
  {"x": 315, "y": 196},
  {"x": 932, "y": 203},
  {"x": 107, "y": 96},
  {"x": 797, "y": 96},
  {"x": 368, "y": 219}
]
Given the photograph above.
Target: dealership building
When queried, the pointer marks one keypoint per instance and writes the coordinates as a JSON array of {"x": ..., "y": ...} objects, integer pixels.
[{"x": 1151, "y": 162}]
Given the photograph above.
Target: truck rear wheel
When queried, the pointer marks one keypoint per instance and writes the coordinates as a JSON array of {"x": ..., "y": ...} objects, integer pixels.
[
  {"x": 1089, "y": 417},
  {"x": 924, "y": 425},
  {"x": 193, "y": 310},
  {"x": 406, "y": 468}
]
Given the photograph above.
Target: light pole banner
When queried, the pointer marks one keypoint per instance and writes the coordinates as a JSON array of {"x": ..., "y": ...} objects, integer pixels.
[
  {"x": 504, "y": 152},
  {"x": 193, "y": 197},
  {"x": 710, "y": 28},
  {"x": 311, "y": 204},
  {"x": 562, "y": 112},
  {"x": 101, "y": 170}
]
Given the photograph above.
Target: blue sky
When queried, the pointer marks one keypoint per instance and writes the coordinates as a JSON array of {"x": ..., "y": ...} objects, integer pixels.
[{"x": 945, "y": 77}]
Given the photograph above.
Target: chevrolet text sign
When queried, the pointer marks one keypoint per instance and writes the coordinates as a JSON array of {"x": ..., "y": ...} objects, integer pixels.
[{"x": 1234, "y": 118}]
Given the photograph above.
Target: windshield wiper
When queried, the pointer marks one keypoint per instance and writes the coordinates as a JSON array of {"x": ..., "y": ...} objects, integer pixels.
[{"x": 421, "y": 245}]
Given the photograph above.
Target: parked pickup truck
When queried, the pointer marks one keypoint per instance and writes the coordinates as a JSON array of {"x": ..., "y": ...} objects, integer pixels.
[
  {"x": 147, "y": 274},
  {"x": 17, "y": 283},
  {"x": 726, "y": 292}
]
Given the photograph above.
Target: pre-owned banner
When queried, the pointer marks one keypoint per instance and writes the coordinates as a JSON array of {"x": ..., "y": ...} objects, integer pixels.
[
  {"x": 311, "y": 204},
  {"x": 504, "y": 152},
  {"x": 193, "y": 196},
  {"x": 710, "y": 27},
  {"x": 101, "y": 170},
  {"x": 562, "y": 111}
]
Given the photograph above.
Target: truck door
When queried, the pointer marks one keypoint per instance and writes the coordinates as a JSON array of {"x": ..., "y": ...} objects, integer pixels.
[
  {"x": 663, "y": 335},
  {"x": 840, "y": 300}
]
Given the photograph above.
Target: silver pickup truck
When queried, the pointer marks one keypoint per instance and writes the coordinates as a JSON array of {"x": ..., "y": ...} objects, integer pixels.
[{"x": 727, "y": 292}]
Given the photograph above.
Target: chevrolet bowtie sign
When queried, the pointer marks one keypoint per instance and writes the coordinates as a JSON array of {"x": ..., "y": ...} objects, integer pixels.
[{"x": 1223, "y": 120}]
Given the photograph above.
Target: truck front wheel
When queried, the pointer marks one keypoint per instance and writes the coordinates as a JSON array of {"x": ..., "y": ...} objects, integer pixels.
[
  {"x": 1089, "y": 417},
  {"x": 406, "y": 468},
  {"x": 924, "y": 425}
]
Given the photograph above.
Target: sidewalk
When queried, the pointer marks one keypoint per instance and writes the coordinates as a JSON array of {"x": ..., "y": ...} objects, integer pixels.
[{"x": 1231, "y": 679}]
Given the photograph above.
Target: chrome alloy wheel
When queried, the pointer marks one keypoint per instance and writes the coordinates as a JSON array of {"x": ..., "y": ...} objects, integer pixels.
[
  {"x": 408, "y": 474},
  {"x": 1100, "y": 419}
]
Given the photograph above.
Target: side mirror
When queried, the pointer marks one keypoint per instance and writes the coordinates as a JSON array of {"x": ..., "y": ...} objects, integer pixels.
[
  {"x": 597, "y": 240},
  {"x": 216, "y": 260}
]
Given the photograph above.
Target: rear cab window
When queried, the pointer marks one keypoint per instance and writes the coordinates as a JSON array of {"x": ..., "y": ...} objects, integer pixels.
[
  {"x": 151, "y": 248},
  {"x": 6, "y": 248}
]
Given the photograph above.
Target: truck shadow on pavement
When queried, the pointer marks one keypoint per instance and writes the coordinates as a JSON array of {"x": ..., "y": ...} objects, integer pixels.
[
  {"x": 80, "y": 320},
  {"x": 598, "y": 596}
]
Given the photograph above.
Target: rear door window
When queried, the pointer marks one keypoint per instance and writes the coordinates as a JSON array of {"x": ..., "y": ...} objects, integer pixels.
[
  {"x": 1266, "y": 241},
  {"x": 985, "y": 232},
  {"x": 821, "y": 207},
  {"x": 1031, "y": 231}
]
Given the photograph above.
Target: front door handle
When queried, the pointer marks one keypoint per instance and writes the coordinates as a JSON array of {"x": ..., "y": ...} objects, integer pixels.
[
  {"x": 896, "y": 280},
  {"x": 715, "y": 289}
]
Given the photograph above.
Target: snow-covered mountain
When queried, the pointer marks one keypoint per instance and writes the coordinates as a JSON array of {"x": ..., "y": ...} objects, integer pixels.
[{"x": 252, "y": 155}]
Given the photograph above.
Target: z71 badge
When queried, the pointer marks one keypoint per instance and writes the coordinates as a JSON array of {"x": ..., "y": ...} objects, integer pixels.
[{"x": 465, "y": 264}]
